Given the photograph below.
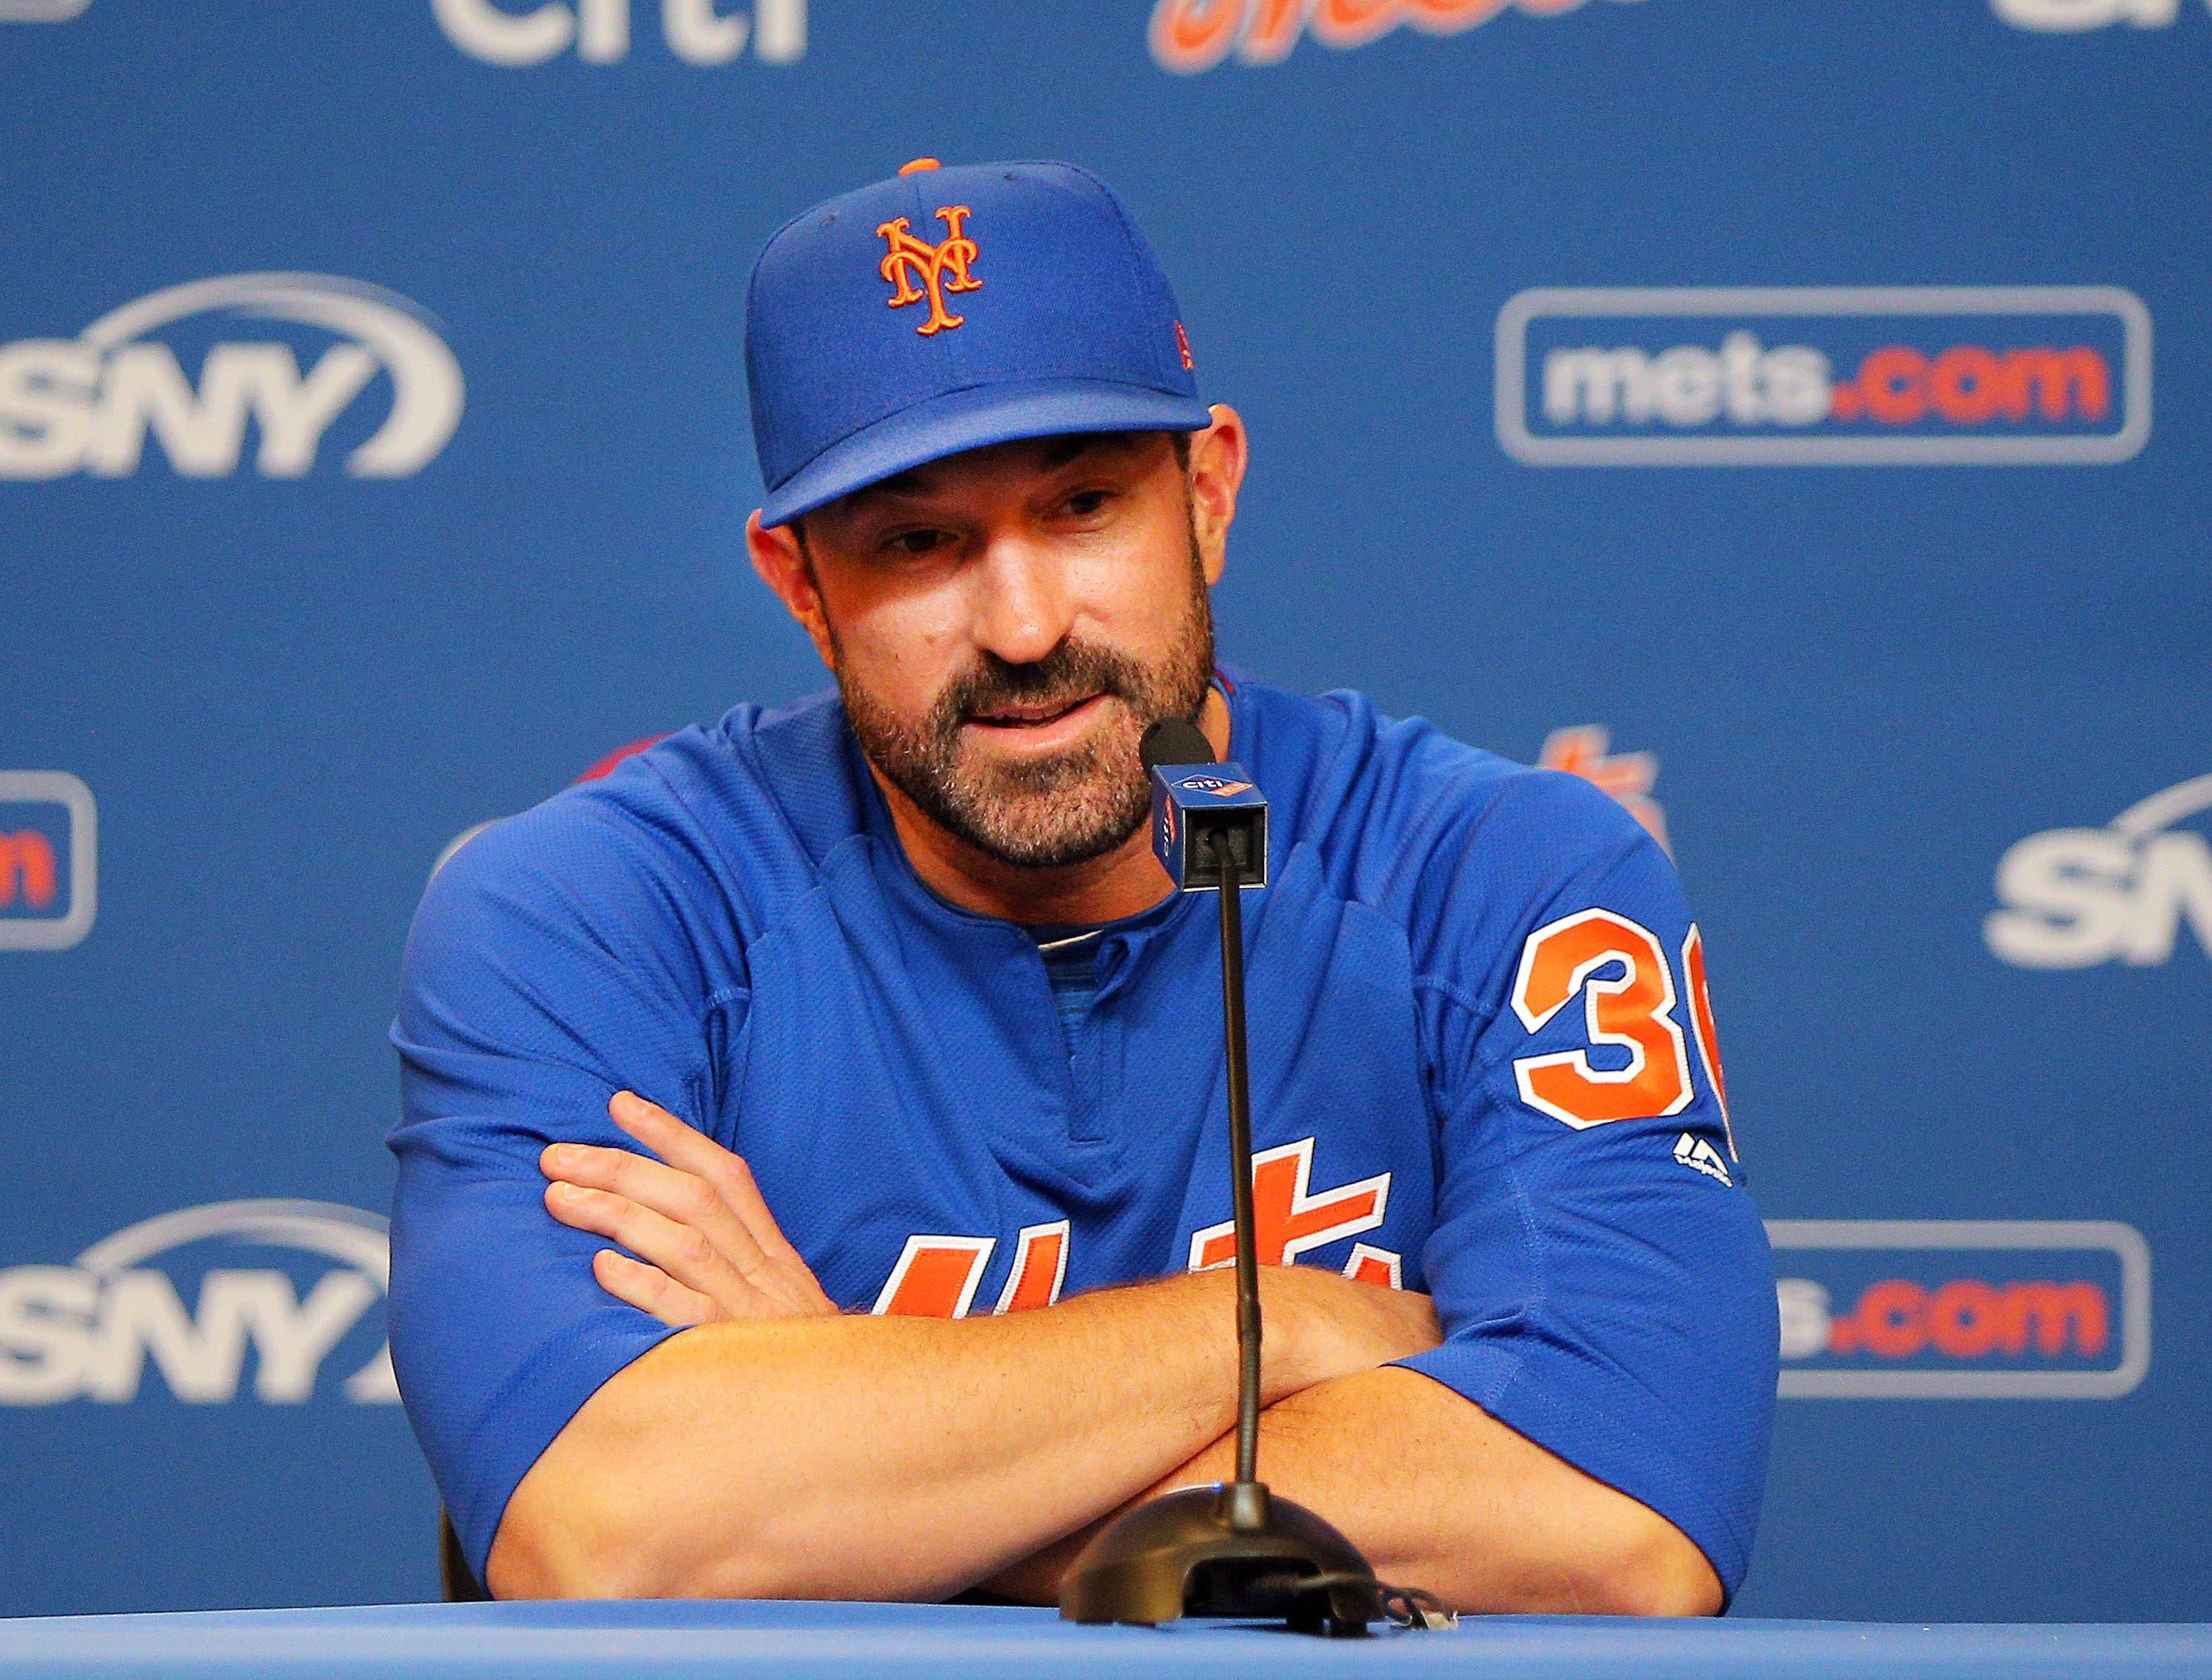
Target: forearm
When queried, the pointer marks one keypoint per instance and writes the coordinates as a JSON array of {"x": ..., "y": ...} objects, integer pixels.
[
  {"x": 864, "y": 1456},
  {"x": 1436, "y": 1493}
]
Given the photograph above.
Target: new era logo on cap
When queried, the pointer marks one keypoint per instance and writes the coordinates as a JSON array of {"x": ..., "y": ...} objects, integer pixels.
[{"x": 1041, "y": 309}]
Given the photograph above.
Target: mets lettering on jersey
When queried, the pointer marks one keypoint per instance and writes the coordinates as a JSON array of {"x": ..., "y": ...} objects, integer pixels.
[{"x": 1482, "y": 1067}]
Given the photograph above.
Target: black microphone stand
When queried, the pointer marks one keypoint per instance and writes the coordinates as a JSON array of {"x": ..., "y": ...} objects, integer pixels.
[
  {"x": 1240, "y": 1185},
  {"x": 1230, "y": 1549}
]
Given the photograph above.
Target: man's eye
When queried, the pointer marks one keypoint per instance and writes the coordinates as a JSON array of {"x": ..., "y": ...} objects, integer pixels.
[
  {"x": 1084, "y": 503},
  {"x": 912, "y": 543}
]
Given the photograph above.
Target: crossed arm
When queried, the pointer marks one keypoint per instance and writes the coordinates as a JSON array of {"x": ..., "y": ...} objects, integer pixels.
[{"x": 781, "y": 1449}]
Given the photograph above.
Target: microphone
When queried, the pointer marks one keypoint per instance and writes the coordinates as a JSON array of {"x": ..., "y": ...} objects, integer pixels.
[
  {"x": 1174, "y": 741},
  {"x": 1202, "y": 811},
  {"x": 1231, "y": 1549}
]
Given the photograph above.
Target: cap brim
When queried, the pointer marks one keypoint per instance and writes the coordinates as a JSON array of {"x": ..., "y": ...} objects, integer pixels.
[{"x": 965, "y": 420}]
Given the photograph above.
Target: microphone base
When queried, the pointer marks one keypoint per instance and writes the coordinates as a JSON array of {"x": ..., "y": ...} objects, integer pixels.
[{"x": 1227, "y": 1550}]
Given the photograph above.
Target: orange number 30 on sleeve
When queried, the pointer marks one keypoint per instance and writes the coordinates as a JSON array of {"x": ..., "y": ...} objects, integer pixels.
[{"x": 1632, "y": 1008}]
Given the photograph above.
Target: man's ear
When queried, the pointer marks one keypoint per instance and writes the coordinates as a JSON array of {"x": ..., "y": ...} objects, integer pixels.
[
  {"x": 1218, "y": 459},
  {"x": 781, "y": 563}
]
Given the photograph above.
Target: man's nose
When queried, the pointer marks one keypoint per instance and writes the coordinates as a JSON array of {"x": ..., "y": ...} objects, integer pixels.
[{"x": 1024, "y": 608}]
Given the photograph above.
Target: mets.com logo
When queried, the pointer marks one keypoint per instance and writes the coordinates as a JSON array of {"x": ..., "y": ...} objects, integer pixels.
[
  {"x": 1824, "y": 376},
  {"x": 2073, "y": 898},
  {"x": 200, "y": 1295},
  {"x": 1187, "y": 36},
  {"x": 374, "y": 366},
  {"x": 1952, "y": 1309},
  {"x": 49, "y": 860}
]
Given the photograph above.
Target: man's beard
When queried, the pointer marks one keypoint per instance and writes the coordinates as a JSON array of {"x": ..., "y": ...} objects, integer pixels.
[{"x": 1050, "y": 811}]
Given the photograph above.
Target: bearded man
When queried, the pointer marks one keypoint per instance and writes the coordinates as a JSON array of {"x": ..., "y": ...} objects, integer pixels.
[{"x": 813, "y": 1169}]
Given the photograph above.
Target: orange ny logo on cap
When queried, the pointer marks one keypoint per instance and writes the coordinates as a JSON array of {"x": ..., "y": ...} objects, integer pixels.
[{"x": 913, "y": 259}]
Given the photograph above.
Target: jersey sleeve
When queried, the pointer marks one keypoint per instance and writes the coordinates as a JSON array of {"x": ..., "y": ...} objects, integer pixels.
[
  {"x": 540, "y": 977},
  {"x": 1602, "y": 1276}
]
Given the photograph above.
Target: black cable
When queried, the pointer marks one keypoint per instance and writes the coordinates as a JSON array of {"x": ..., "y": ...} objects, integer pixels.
[{"x": 1409, "y": 1607}]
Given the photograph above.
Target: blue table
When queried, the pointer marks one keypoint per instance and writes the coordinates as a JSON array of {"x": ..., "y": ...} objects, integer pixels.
[{"x": 741, "y": 1641}]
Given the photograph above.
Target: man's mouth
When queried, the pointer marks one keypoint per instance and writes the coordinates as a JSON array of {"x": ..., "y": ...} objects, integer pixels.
[{"x": 1032, "y": 714}]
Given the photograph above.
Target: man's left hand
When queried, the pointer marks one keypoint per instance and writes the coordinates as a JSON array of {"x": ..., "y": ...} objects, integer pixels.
[{"x": 708, "y": 1247}]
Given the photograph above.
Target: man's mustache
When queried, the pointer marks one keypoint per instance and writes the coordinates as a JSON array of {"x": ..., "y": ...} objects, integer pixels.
[{"x": 1072, "y": 671}]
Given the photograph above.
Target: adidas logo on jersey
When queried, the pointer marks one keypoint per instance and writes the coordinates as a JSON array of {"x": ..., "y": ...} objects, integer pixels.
[{"x": 1699, "y": 1156}]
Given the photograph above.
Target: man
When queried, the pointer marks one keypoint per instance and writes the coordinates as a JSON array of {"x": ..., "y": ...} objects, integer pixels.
[{"x": 813, "y": 1174}]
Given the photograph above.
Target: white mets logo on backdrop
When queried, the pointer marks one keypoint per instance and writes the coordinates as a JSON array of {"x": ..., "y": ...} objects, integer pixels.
[
  {"x": 281, "y": 1287},
  {"x": 286, "y": 357},
  {"x": 2073, "y": 898},
  {"x": 1824, "y": 376}
]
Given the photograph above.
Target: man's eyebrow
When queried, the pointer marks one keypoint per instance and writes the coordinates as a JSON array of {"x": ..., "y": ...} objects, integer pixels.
[
  {"x": 1062, "y": 450},
  {"x": 898, "y": 484}
]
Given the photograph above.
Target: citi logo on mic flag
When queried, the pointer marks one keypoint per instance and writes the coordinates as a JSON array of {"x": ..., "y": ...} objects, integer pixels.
[
  {"x": 1217, "y": 799},
  {"x": 216, "y": 1302},
  {"x": 49, "y": 860},
  {"x": 1961, "y": 1309},
  {"x": 288, "y": 360},
  {"x": 1824, "y": 376}
]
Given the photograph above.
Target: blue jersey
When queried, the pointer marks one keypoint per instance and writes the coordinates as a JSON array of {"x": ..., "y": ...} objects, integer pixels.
[{"x": 1482, "y": 1067}]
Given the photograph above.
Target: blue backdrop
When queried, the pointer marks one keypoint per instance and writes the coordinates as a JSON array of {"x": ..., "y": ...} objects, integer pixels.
[{"x": 1750, "y": 407}]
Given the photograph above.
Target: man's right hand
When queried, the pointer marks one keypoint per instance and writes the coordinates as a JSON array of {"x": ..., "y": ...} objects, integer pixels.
[{"x": 1320, "y": 1325}]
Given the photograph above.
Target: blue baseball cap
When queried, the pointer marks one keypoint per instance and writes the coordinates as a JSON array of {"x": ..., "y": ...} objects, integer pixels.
[{"x": 947, "y": 309}]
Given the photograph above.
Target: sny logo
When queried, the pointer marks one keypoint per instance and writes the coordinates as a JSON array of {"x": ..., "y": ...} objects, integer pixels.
[
  {"x": 86, "y": 1330},
  {"x": 696, "y": 31},
  {"x": 87, "y": 404},
  {"x": 1865, "y": 376},
  {"x": 49, "y": 860},
  {"x": 911, "y": 259},
  {"x": 2077, "y": 897},
  {"x": 1961, "y": 1309},
  {"x": 1192, "y": 35}
]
